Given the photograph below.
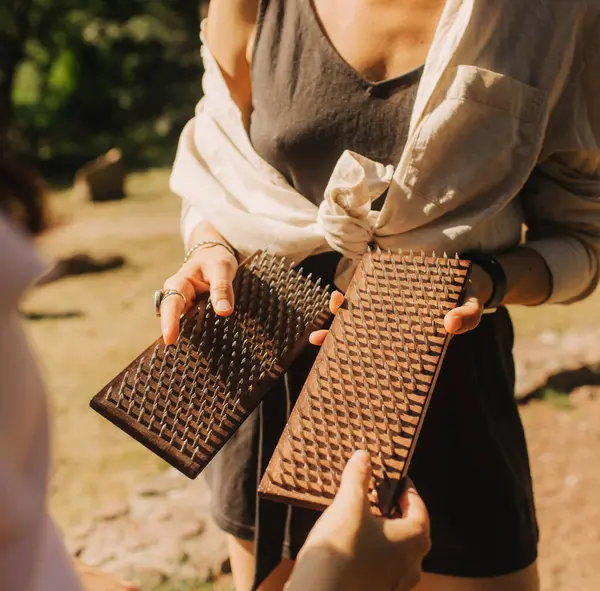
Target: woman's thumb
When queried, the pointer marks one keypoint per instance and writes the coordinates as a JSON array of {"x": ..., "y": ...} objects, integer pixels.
[{"x": 355, "y": 482}]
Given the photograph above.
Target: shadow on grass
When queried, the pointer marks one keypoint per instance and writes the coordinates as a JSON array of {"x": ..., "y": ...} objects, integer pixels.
[
  {"x": 559, "y": 387},
  {"x": 81, "y": 264},
  {"x": 52, "y": 315}
]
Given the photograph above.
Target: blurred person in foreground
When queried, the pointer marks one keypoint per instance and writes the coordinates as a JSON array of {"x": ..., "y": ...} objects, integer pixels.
[
  {"x": 32, "y": 555},
  {"x": 328, "y": 126},
  {"x": 344, "y": 547}
]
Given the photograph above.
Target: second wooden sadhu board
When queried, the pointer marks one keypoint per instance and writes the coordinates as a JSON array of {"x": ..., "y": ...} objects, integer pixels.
[{"x": 372, "y": 381}]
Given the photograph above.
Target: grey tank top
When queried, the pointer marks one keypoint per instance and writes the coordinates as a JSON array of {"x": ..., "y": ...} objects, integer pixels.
[{"x": 309, "y": 104}]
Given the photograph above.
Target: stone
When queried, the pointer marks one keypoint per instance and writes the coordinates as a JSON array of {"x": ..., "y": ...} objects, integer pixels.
[
  {"x": 76, "y": 538},
  {"x": 571, "y": 481},
  {"x": 548, "y": 338},
  {"x": 102, "y": 179},
  {"x": 208, "y": 553}
]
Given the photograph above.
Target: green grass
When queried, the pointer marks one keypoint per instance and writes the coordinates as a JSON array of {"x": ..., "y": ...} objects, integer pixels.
[
  {"x": 558, "y": 399},
  {"x": 532, "y": 321}
]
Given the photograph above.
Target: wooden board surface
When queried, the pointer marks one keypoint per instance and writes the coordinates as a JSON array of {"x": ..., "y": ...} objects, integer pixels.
[
  {"x": 185, "y": 401},
  {"x": 371, "y": 383}
]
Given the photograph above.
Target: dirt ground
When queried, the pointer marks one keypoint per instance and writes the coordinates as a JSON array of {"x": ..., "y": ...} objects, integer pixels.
[
  {"x": 564, "y": 443},
  {"x": 85, "y": 329}
]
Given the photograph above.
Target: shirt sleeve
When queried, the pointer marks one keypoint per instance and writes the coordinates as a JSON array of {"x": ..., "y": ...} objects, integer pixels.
[
  {"x": 562, "y": 213},
  {"x": 562, "y": 198},
  {"x": 190, "y": 218}
]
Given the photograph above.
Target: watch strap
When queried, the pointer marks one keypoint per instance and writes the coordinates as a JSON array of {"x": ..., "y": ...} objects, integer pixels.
[{"x": 494, "y": 269}]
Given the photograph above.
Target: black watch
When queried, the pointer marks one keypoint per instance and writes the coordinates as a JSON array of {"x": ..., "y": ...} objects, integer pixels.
[{"x": 494, "y": 269}]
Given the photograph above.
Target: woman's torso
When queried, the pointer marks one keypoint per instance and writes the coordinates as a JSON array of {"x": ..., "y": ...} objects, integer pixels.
[
  {"x": 448, "y": 213},
  {"x": 310, "y": 104}
]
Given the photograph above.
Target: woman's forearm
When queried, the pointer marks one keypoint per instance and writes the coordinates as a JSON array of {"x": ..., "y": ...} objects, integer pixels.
[
  {"x": 528, "y": 278},
  {"x": 528, "y": 282},
  {"x": 202, "y": 232}
]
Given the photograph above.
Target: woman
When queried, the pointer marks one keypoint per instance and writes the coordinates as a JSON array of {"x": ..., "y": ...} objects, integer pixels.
[{"x": 328, "y": 125}]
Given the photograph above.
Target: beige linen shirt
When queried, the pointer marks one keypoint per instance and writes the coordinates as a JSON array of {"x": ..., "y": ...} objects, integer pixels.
[
  {"x": 32, "y": 556},
  {"x": 505, "y": 131}
]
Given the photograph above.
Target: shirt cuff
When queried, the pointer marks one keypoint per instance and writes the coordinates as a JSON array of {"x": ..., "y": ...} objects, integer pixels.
[{"x": 572, "y": 267}]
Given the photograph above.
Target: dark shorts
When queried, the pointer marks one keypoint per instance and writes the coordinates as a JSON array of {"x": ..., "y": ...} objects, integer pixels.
[{"x": 470, "y": 465}]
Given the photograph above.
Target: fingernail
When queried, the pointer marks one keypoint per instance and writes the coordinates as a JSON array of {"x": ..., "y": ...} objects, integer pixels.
[
  {"x": 360, "y": 457},
  {"x": 223, "y": 306}
]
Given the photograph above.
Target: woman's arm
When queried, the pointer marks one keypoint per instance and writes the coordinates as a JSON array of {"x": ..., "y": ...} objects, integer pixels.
[
  {"x": 528, "y": 282},
  {"x": 559, "y": 262},
  {"x": 562, "y": 211},
  {"x": 230, "y": 28},
  {"x": 229, "y": 35},
  {"x": 527, "y": 275}
]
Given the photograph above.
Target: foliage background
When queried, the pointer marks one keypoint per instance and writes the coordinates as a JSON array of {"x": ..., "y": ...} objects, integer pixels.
[{"x": 77, "y": 78}]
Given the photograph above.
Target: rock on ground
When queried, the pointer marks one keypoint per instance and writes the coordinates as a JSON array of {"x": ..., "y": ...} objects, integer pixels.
[{"x": 161, "y": 533}]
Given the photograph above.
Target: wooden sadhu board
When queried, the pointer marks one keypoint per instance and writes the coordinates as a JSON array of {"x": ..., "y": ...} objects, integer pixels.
[
  {"x": 372, "y": 381},
  {"x": 186, "y": 400}
]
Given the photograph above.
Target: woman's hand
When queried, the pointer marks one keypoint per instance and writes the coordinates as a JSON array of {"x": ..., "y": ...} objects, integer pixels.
[
  {"x": 457, "y": 321},
  {"x": 468, "y": 316},
  {"x": 335, "y": 303},
  {"x": 208, "y": 270},
  {"x": 349, "y": 548}
]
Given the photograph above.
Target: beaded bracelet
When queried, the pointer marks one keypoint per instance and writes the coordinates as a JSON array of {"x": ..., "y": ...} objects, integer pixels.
[{"x": 207, "y": 244}]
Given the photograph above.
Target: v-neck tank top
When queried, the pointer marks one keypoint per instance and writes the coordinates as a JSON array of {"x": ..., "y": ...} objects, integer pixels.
[{"x": 309, "y": 104}]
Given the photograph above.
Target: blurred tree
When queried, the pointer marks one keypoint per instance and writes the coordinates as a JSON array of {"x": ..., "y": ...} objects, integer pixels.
[
  {"x": 14, "y": 30},
  {"x": 79, "y": 78}
]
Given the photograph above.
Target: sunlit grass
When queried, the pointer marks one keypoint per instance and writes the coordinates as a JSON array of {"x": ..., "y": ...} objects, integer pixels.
[{"x": 558, "y": 399}]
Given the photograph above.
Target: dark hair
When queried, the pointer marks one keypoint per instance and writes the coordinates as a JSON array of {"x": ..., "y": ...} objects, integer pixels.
[{"x": 22, "y": 195}]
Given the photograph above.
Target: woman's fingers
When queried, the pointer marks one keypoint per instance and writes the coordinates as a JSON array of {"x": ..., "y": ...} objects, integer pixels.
[
  {"x": 352, "y": 497},
  {"x": 336, "y": 301},
  {"x": 212, "y": 272},
  {"x": 414, "y": 520},
  {"x": 219, "y": 273},
  {"x": 317, "y": 337},
  {"x": 412, "y": 506},
  {"x": 465, "y": 317},
  {"x": 173, "y": 306}
]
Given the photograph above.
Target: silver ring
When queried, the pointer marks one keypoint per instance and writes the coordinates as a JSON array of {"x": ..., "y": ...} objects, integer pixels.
[{"x": 161, "y": 295}]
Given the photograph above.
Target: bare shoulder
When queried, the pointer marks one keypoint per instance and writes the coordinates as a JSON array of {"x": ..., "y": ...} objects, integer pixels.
[
  {"x": 229, "y": 34},
  {"x": 230, "y": 27}
]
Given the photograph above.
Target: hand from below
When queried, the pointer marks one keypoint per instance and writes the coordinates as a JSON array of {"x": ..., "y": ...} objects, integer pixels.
[{"x": 350, "y": 549}]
